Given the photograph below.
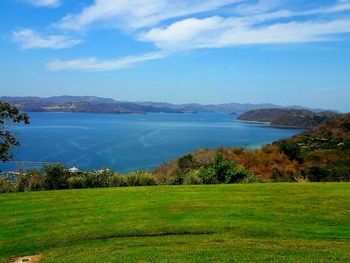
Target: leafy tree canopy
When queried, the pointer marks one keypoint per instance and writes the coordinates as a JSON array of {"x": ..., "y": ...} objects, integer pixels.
[{"x": 8, "y": 114}]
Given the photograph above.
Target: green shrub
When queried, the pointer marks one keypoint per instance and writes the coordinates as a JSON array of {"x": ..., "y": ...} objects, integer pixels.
[
  {"x": 177, "y": 179},
  {"x": 321, "y": 174},
  {"x": 340, "y": 174},
  {"x": 118, "y": 180},
  {"x": 317, "y": 174},
  {"x": 291, "y": 149},
  {"x": 77, "y": 182},
  {"x": 140, "y": 178},
  {"x": 223, "y": 169},
  {"x": 101, "y": 178},
  {"x": 186, "y": 163},
  {"x": 22, "y": 182},
  {"x": 91, "y": 180},
  {"x": 249, "y": 178},
  {"x": 32, "y": 180},
  {"x": 279, "y": 176},
  {"x": 220, "y": 171},
  {"x": 56, "y": 177},
  {"x": 241, "y": 175},
  {"x": 36, "y": 181},
  {"x": 193, "y": 177},
  {"x": 6, "y": 186},
  {"x": 104, "y": 178},
  {"x": 208, "y": 175}
]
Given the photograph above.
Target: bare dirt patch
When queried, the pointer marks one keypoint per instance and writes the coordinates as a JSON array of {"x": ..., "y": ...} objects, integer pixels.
[{"x": 28, "y": 259}]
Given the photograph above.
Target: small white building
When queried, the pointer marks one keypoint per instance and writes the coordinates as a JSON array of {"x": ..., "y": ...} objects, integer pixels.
[{"x": 74, "y": 170}]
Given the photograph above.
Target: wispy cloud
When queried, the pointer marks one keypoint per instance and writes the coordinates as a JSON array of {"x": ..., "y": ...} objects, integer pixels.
[
  {"x": 258, "y": 7},
  {"x": 131, "y": 15},
  {"x": 46, "y": 3},
  {"x": 28, "y": 38},
  {"x": 258, "y": 23},
  {"x": 93, "y": 64},
  {"x": 216, "y": 32},
  {"x": 174, "y": 26}
]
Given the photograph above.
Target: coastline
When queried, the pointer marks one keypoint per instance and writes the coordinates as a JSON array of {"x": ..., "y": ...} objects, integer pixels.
[
  {"x": 257, "y": 122},
  {"x": 275, "y": 126}
]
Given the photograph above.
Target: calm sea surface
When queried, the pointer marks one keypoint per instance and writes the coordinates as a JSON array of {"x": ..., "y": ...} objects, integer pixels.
[{"x": 131, "y": 142}]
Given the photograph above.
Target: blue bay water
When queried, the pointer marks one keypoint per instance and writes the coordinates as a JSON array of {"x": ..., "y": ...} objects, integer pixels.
[{"x": 132, "y": 142}]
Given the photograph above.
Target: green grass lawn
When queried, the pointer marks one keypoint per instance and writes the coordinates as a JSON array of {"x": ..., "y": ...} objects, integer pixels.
[{"x": 304, "y": 222}]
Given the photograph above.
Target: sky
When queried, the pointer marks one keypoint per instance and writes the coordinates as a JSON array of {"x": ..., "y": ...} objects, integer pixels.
[{"x": 287, "y": 52}]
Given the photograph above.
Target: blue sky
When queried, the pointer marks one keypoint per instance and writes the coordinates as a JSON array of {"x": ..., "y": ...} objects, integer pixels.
[{"x": 206, "y": 51}]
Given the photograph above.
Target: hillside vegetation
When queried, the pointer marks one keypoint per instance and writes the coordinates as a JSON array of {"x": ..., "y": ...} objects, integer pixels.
[
  {"x": 287, "y": 117},
  {"x": 303, "y": 222},
  {"x": 324, "y": 151},
  {"x": 318, "y": 155}
]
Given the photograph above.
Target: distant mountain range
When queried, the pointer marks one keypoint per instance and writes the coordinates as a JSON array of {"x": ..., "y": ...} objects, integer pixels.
[{"x": 94, "y": 104}]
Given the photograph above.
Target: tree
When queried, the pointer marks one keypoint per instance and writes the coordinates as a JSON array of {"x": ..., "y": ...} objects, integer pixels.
[
  {"x": 223, "y": 169},
  {"x": 291, "y": 149},
  {"x": 186, "y": 163},
  {"x": 8, "y": 114},
  {"x": 56, "y": 177}
]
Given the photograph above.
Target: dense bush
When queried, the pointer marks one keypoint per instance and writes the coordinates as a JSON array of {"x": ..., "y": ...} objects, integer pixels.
[
  {"x": 241, "y": 175},
  {"x": 22, "y": 182},
  {"x": 91, "y": 180},
  {"x": 213, "y": 169},
  {"x": 177, "y": 179},
  {"x": 277, "y": 176},
  {"x": 316, "y": 174},
  {"x": 186, "y": 163},
  {"x": 77, "y": 182},
  {"x": 104, "y": 178},
  {"x": 165, "y": 171},
  {"x": 250, "y": 178},
  {"x": 31, "y": 180},
  {"x": 291, "y": 149},
  {"x": 324, "y": 174},
  {"x": 193, "y": 177},
  {"x": 140, "y": 178},
  {"x": 36, "y": 180},
  {"x": 224, "y": 170},
  {"x": 56, "y": 177},
  {"x": 6, "y": 186},
  {"x": 208, "y": 175},
  {"x": 101, "y": 178}
]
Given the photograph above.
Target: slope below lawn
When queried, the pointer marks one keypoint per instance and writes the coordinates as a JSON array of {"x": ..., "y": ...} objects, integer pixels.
[{"x": 278, "y": 222}]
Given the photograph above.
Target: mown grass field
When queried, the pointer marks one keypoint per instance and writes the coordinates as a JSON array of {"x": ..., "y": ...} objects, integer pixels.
[{"x": 304, "y": 222}]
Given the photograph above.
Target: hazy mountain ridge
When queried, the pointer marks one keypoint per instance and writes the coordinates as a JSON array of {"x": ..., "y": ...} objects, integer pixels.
[{"x": 107, "y": 105}]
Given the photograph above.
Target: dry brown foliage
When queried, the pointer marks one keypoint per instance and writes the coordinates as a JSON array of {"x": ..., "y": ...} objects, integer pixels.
[{"x": 264, "y": 162}]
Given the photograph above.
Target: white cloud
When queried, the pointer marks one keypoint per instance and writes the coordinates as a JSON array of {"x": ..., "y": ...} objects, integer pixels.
[
  {"x": 173, "y": 26},
  {"x": 28, "y": 38},
  {"x": 256, "y": 27},
  {"x": 92, "y": 64},
  {"x": 138, "y": 13},
  {"x": 216, "y": 32},
  {"x": 47, "y": 3}
]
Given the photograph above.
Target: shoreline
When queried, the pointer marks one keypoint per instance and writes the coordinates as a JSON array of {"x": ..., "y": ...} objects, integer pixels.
[
  {"x": 275, "y": 126},
  {"x": 257, "y": 122}
]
